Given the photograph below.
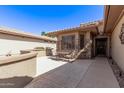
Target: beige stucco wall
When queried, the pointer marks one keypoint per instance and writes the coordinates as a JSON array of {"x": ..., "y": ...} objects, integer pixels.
[
  {"x": 100, "y": 28},
  {"x": 18, "y": 66},
  {"x": 117, "y": 47},
  {"x": 14, "y": 44},
  {"x": 24, "y": 68},
  {"x": 87, "y": 38}
]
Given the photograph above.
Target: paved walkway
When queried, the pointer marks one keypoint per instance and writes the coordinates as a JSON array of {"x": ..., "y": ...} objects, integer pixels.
[{"x": 95, "y": 73}]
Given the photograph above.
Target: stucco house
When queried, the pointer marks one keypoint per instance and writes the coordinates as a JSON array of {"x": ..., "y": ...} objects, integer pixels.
[
  {"x": 77, "y": 37},
  {"x": 114, "y": 27},
  {"x": 107, "y": 36}
]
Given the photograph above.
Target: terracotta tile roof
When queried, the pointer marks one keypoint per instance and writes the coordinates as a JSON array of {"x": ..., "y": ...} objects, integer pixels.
[
  {"x": 15, "y": 32},
  {"x": 83, "y": 26},
  {"x": 90, "y": 23}
]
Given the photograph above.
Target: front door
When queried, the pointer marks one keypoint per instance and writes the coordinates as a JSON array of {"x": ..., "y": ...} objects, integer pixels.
[{"x": 101, "y": 46}]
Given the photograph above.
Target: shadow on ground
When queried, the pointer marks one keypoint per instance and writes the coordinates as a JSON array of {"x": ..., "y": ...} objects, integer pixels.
[{"x": 15, "y": 82}]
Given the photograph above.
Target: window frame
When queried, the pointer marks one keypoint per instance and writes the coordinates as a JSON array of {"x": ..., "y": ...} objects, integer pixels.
[{"x": 68, "y": 42}]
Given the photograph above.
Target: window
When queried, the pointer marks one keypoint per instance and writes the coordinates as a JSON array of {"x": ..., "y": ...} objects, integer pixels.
[{"x": 68, "y": 42}]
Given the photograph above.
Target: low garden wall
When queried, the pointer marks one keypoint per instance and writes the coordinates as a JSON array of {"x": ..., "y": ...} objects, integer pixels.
[
  {"x": 41, "y": 51},
  {"x": 18, "y": 65}
]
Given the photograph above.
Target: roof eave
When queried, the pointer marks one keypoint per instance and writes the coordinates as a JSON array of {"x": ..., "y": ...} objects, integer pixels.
[
  {"x": 106, "y": 13},
  {"x": 24, "y": 35},
  {"x": 76, "y": 29}
]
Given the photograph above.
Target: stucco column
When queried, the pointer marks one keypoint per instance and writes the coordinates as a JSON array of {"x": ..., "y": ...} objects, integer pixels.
[
  {"x": 87, "y": 38},
  {"x": 58, "y": 43},
  {"x": 77, "y": 44}
]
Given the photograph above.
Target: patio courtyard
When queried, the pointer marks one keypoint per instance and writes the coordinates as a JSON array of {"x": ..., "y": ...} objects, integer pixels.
[{"x": 91, "y": 73}]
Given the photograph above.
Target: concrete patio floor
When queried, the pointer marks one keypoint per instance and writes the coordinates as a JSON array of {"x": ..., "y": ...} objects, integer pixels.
[{"x": 94, "y": 73}]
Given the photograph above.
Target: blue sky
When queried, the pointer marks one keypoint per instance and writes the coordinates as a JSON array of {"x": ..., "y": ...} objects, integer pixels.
[{"x": 35, "y": 19}]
